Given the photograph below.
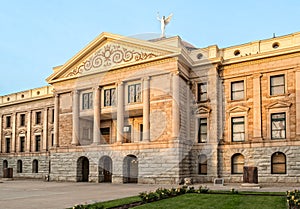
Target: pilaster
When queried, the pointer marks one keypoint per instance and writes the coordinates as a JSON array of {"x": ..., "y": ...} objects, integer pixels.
[
  {"x": 175, "y": 105},
  {"x": 256, "y": 106},
  {"x": 1, "y": 127},
  {"x": 13, "y": 135},
  {"x": 75, "y": 133},
  {"x": 28, "y": 137},
  {"x": 146, "y": 110},
  {"x": 120, "y": 112},
  {"x": 45, "y": 131},
  {"x": 56, "y": 120},
  {"x": 297, "y": 77},
  {"x": 97, "y": 114}
]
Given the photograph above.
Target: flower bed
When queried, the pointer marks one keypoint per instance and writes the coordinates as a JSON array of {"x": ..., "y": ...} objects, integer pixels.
[{"x": 293, "y": 199}]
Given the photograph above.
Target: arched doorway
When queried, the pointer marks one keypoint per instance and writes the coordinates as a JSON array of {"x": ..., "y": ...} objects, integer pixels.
[
  {"x": 130, "y": 169},
  {"x": 105, "y": 169},
  {"x": 83, "y": 169}
]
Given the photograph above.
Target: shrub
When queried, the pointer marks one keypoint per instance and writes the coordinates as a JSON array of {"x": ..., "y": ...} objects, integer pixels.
[{"x": 293, "y": 199}]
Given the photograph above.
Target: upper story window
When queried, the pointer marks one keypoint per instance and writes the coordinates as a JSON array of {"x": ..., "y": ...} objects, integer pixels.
[
  {"x": 202, "y": 92},
  {"x": 237, "y": 90},
  {"x": 52, "y": 116},
  {"x": 38, "y": 118},
  {"x": 22, "y": 119},
  {"x": 277, "y": 85},
  {"x": 8, "y": 121},
  {"x": 87, "y": 101},
  {"x": 134, "y": 93},
  {"x": 278, "y": 126},
  {"x": 110, "y": 97},
  {"x": 22, "y": 144},
  {"x": 238, "y": 129},
  {"x": 202, "y": 133},
  {"x": 37, "y": 143}
]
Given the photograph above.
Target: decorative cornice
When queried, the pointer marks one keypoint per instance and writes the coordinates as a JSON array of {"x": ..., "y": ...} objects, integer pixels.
[
  {"x": 111, "y": 55},
  {"x": 238, "y": 109},
  {"x": 278, "y": 104},
  {"x": 202, "y": 110}
]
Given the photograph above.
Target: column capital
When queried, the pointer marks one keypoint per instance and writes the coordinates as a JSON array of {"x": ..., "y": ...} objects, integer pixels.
[
  {"x": 95, "y": 88},
  {"x": 257, "y": 75},
  {"x": 120, "y": 83},
  {"x": 75, "y": 92},
  {"x": 147, "y": 78}
]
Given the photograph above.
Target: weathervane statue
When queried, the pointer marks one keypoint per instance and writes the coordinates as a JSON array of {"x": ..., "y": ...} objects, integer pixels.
[{"x": 163, "y": 22}]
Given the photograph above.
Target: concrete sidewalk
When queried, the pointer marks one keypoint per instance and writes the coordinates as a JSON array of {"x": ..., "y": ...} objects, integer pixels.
[{"x": 28, "y": 194}]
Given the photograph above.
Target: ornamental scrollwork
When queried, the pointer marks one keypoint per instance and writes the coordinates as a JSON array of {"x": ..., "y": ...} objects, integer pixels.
[{"x": 109, "y": 56}]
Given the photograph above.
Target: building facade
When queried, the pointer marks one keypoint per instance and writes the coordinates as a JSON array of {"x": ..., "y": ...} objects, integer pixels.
[{"x": 125, "y": 110}]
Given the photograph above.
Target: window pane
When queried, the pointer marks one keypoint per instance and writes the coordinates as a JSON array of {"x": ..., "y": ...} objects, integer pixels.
[
  {"x": 131, "y": 93},
  {"x": 90, "y": 100},
  {"x": 278, "y": 158},
  {"x": 237, "y": 95},
  {"x": 107, "y": 98},
  {"x": 138, "y": 93},
  {"x": 277, "y": 80},
  {"x": 279, "y": 168},
  {"x": 277, "y": 90},
  {"x": 113, "y": 97},
  {"x": 238, "y": 86},
  {"x": 278, "y": 126},
  {"x": 202, "y": 91}
]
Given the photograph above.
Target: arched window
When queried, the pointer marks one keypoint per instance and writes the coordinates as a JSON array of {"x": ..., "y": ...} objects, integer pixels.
[
  {"x": 202, "y": 164},
  {"x": 19, "y": 166},
  {"x": 5, "y": 164},
  {"x": 35, "y": 166},
  {"x": 278, "y": 163},
  {"x": 237, "y": 163}
]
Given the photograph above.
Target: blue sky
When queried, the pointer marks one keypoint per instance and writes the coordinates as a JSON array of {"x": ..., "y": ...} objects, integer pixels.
[{"x": 36, "y": 35}]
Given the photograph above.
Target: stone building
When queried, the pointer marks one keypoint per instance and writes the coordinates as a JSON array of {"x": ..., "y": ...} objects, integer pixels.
[{"x": 125, "y": 110}]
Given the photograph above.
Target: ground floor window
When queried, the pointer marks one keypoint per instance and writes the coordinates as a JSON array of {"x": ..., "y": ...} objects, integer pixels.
[
  {"x": 278, "y": 163},
  {"x": 237, "y": 163},
  {"x": 35, "y": 166},
  {"x": 19, "y": 166},
  {"x": 202, "y": 165}
]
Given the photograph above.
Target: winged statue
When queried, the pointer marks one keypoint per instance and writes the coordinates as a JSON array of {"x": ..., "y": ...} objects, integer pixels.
[{"x": 163, "y": 22}]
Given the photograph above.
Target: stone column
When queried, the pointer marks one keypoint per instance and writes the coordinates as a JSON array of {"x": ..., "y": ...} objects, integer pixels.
[
  {"x": 13, "y": 135},
  {"x": 175, "y": 106},
  {"x": 28, "y": 137},
  {"x": 120, "y": 113},
  {"x": 297, "y": 77},
  {"x": 75, "y": 133},
  {"x": 256, "y": 106},
  {"x": 188, "y": 110},
  {"x": 45, "y": 131},
  {"x": 1, "y": 137},
  {"x": 56, "y": 120},
  {"x": 146, "y": 110},
  {"x": 97, "y": 115}
]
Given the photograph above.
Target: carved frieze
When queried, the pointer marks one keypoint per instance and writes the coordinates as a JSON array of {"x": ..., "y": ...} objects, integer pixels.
[{"x": 109, "y": 56}]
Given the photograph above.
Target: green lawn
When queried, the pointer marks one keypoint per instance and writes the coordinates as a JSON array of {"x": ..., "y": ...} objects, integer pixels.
[{"x": 218, "y": 201}]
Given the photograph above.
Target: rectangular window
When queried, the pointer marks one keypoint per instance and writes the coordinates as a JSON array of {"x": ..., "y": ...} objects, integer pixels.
[
  {"x": 141, "y": 132},
  {"x": 7, "y": 145},
  {"x": 202, "y": 92},
  {"x": 238, "y": 129},
  {"x": 134, "y": 93},
  {"x": 105, "y": 133},
  {"x": 110, "y": 97},
  {"x": 127, "y": 133},
  {"x": 278, "y": 126},
  {"x": 87, "y": 101},
  {"x": 52, "y": 140},
  {"x": 277, "y": 86},
  {"x": 202, "y": 131},
  {"x": 52, "y": 115},
  {"x": 237, "y": 90},
  {"x": 37, "y": 143},
  {"x": 8, "y": 121},
  {"x": 86, "y": 133},
  {"x": 22, "y": 119},
  {"x": 38, "y": 118},
  {"x": 22, "y": 144}
]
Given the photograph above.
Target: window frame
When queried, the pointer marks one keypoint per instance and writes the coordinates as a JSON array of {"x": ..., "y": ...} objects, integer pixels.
[
  {"x": 199, "y": 129},
  {"x": 201, "y": 164},
  {"x": 19, "y": 166},
  {"x": 7, "y": 144},
  {"x": 232, "y": 92},
  {"x": 22, "y": 119},
  {"x": 284, "y": 163},
  {"x": 109, "y": 104},
  {"x": 38, "y": 140},
  {"x": 35, "y": 166},
  {"x": 272, "y": 86},
  {"x": 135, "y": 93},
  {"x": 8, "y": 121},
  {"x": 200, "y": 93},
  {"x": 237, "y": 123},
  {"x": 22, "y": 140},
  {"x": 236, "y": 164},
  {"x": 90, "y": 100},
  {"x": 38, "y": 117},
  {"x": 271, "y": 123}
]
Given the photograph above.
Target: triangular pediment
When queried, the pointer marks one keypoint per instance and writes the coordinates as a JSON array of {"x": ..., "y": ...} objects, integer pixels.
[
  {"x": 238, "y": 109},
  {"x": 278, "y": 104},
  {"x": 108, "y": 52},
  {"x": 202, "y": 110}
]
